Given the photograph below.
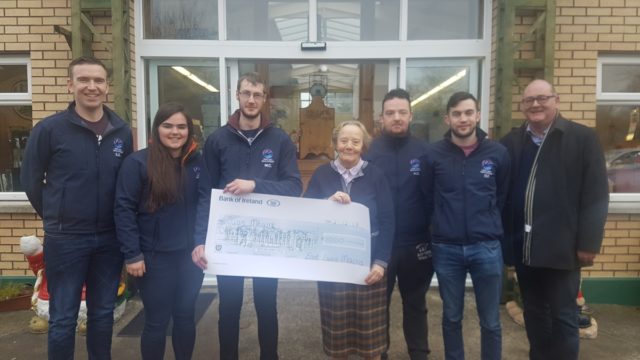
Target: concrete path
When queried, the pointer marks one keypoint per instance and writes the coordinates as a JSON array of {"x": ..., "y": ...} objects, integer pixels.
[{"x": 300, "y": 338}]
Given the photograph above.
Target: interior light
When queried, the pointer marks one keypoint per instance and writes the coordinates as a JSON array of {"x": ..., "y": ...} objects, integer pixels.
[
  {"x": 438, "y": 88},
  {"x": 194, "y": 78}
]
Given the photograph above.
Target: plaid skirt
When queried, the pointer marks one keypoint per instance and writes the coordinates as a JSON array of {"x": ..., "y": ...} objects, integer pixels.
[{"x": 353, "y": 318}]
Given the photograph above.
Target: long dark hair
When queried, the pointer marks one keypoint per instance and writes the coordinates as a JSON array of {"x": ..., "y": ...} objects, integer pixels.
[{"x": 165, "y": 183}]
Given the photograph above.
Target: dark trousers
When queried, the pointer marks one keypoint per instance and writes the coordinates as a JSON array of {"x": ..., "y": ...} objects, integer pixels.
[
  {"x": 230, "y": 289},
  {"x": 550, "y": 316},
  {"x": 413, "y": 268},
  {"x": 70, "y": 261},
  {"x": 169, "y": 290}
]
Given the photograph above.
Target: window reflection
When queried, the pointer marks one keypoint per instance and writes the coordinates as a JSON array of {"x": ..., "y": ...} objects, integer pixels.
[
  {"x": 13, "y": 79},
  {"x": 619, "y": 132},
  {"x": 197, "y": 88},
  {"x": 430, "y": 85},
  {"x": 354, "y": 20},
  {"x": 15, "y": 127},
  {"x": 181, "y": 19},
  {"x": 285, "y": 20},
  {"x": 621, "y": 78},
  {"x": 444, "y": 20}
]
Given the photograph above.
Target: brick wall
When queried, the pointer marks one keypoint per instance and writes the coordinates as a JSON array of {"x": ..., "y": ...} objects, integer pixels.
[
  {"x": 27, "y": 27},
  {"x": 585, "y": 29},
  {"x": 12, "y": 227}
]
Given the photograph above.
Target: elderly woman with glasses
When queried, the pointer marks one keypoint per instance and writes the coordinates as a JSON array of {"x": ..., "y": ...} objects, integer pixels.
[{"x": 354, "y": 317}]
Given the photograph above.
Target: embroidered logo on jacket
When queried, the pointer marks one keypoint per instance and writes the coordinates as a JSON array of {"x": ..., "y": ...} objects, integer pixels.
[
  {"x": 414, "y": 166},
  {"x": 488, "y": 168},
  {"x": 118, "y": 146},
  {"x": 196, "y": 170},
  {"x": 267, "y": 158}
]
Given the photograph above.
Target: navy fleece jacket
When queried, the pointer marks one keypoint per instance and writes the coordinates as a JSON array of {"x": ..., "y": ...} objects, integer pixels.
[
  {"x": 70, "y": 176},
  {"x": 169, "y": 228}
]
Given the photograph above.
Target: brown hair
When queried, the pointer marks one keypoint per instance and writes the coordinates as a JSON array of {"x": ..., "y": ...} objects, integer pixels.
[
  {"x": 253, "y": 78},
  {"x": 165, "y": 183},
  {"x": 82, "y": 60},
  {"x": 366, "y": 138}
]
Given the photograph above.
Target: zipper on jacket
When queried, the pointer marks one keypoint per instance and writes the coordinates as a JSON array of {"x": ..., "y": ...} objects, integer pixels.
[
  {"x": 97, "y": 153},
  {"x": 61, "y": 207}
]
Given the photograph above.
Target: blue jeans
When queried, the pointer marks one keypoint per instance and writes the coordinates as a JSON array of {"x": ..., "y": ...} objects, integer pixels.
[
  {"x": 483, "y": 261},
  {"x": 169, "y": 289},
  {"x": 70, "y": 261}
]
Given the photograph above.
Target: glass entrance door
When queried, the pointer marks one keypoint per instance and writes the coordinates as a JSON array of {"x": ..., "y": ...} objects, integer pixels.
[{"x": 307, "y": 99}]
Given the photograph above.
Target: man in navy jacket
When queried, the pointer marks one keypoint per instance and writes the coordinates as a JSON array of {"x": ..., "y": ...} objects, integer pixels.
[
  {"x": 247, "y": 155},
  {"x": 465, "y": 177},
  {"x": 69, "y": 173},
  {"x": 554, "y": 218},
  {"x": 397, "y": 154}
]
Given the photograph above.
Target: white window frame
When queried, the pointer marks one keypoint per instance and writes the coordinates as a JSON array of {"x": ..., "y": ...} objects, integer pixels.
[
  {"x": 16, "y": 99},
  {"x": 619, "y": 202}
]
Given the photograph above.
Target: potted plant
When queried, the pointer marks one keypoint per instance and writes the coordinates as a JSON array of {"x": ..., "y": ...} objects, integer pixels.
[{"x": 15, "y": 296}]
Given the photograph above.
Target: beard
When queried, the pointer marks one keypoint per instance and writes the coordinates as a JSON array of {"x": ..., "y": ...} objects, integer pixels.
[
  {"x": 460, "y": 135},
  {"x": 248, "y": 115}
]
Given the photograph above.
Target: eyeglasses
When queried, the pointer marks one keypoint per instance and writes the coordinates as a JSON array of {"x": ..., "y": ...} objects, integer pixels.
[
  {"x": 246, "y": 95},
  {"x": 541, "y": 99}
]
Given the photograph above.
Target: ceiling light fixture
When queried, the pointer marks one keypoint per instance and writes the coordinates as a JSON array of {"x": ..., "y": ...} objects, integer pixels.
[
  {"x": 438, "y": 88},
  {"x": 194, "y": 78}
]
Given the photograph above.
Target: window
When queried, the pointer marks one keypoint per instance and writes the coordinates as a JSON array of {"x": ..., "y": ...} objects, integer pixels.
[
  {"x": 431, "y": 82},
  {"x": 271, "y": 20},
  {"x": 445, "y": 20},
  {"x": 171, "y": 19},
  {"x": 15, "y": 119},
  {"x": 193, "y": 83},
  {"x": 354, "y": 20},
  {"x": 617, "y": 118}
]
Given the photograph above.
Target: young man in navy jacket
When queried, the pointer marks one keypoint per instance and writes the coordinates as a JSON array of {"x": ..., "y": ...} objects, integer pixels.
[
  {"x": 69, "y": 173},
  {"x": 465, "y": 177},
  {"x": 247, "y": 155},
  {"x": 397, "y": 154}
]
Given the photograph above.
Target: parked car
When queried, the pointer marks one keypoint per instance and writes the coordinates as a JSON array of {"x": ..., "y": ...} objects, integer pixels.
[{"x": 623, "y": 169}]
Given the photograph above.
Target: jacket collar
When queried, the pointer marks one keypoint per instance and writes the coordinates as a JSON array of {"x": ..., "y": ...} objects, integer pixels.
[
  {"x": 559, "y": 123},
  {"x": 234, "y": 121},
  {"x": 480, "y": 135},
  {"x": 113, "y": 118},
  {"x": 396, "y": 140}
]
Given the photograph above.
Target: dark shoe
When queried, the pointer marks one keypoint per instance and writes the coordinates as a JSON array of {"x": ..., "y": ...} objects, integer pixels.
[{"x": 584, "y": 321}]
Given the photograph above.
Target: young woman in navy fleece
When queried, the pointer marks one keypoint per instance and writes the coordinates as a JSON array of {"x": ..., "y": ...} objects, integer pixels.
[{"x": 156, "y": 199}]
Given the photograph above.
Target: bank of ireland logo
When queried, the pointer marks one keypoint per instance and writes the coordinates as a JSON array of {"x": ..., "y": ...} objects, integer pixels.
[
  {"x": 273, "y": 202},
  {"x": 488, "y": 168},
  {"x": 414, "y": 166},
  {"x": 118, "y": 146},
  {"x": 267, "y": 158},
  {"x": 218, "y": 247}
]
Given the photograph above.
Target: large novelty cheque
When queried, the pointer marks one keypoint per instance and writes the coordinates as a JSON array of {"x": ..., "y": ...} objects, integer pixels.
[{"x": 273, "y": 236}]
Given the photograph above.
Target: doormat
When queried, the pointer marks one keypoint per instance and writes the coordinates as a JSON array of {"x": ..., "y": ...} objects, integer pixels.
[{"x": 135, "y": 326}]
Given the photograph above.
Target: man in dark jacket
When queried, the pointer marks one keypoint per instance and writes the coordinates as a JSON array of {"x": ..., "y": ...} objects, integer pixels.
[
  {"x": 247, "y": 155},
  {"x": 554, "y": 218},
  {"x": 69, "y": 173},
  {"x": 397, "y": 154},
  {"x": 465, "y": 177}
]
